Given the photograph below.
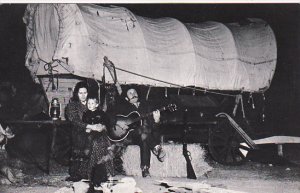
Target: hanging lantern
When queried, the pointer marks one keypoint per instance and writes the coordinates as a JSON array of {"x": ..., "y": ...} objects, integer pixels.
[{"x": 54, "y": 109}]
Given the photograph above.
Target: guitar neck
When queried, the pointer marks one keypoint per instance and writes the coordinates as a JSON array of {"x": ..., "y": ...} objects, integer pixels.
[{"x": 147, "y": 115}]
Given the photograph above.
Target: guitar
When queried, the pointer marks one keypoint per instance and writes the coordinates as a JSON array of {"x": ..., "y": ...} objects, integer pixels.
[{"x": 133, "y": 120}]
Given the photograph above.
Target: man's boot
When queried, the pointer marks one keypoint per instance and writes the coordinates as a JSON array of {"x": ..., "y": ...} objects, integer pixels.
[{"x": 145, "y": 171}]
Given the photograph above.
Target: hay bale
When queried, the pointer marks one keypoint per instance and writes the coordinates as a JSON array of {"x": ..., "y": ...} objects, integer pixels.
[{"x": 174, "y": 164}]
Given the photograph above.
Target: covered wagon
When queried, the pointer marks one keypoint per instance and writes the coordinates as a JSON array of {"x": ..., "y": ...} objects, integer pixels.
[{"x": 195, "y": 65}]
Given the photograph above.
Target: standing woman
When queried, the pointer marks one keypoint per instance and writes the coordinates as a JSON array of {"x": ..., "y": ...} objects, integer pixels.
[{"x": 80, "y": 162}]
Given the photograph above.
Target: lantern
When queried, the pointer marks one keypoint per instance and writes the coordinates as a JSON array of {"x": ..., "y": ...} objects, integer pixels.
[{"x": 54, "y": 109}]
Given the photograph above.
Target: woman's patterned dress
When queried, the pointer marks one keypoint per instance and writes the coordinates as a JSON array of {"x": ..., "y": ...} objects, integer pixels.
[{"x": 87, "y": 151}]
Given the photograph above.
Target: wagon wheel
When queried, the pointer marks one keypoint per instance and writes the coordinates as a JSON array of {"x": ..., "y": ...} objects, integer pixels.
[{"x": 225, "y": 146}]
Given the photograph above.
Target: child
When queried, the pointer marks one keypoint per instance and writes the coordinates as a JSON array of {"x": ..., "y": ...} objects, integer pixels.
[
  {"x": 101, "y": 148},
  {"x": 93, "y": 115}
]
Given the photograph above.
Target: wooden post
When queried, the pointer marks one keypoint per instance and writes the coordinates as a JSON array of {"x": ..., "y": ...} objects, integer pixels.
[{"x": 280, "y": 149}]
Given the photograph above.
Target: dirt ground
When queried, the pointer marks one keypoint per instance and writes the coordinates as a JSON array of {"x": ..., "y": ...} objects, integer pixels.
[
  {"x": 251, "y": 177},
  {"x": 265, "y": 175}
]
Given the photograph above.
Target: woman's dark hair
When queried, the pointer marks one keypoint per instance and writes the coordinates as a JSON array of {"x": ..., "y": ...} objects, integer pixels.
[{"x": 78, "y": 86}]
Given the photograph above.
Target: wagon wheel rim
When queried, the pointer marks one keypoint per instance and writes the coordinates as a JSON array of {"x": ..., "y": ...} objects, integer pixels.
[{"x": 225, "y": 145}]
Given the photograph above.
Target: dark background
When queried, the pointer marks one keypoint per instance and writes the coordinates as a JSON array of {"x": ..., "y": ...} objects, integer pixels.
[{"x": 282, "y": 98}]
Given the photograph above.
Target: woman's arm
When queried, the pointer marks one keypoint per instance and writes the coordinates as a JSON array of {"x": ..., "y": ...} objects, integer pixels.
[
  {"x": 72, "y": 111},
  {"x": 97, "y": 127}
]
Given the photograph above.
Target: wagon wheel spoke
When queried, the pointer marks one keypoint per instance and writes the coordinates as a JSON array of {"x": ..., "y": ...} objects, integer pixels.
[
  {"x": 61, "y": 146},
  {"x": 62, "y": 150},
  {"x": 218, "y": 143},
  {"x": 234, "y": 155},
  {"x": 223, "y": 151},
  {"x": 228, "y": 155},
  {"x": 219, "y": 137}
]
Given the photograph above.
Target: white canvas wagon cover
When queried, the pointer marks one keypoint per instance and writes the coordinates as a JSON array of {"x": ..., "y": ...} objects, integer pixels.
[{"x": 210, "y": 55}]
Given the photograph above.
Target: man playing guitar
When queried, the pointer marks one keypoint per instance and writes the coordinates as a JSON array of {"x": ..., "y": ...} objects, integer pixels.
[{"x": 145, "y": 134}]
